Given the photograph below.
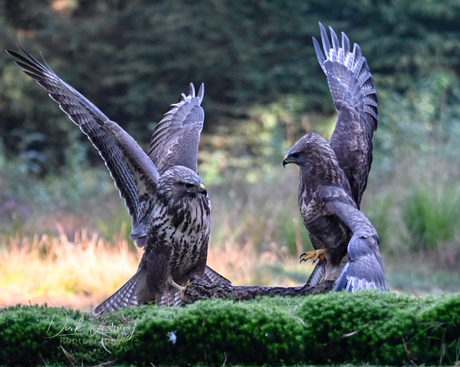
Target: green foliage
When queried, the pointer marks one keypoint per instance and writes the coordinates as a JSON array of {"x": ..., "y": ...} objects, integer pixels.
[
  {"x": 337, "y": 328},
  {"x": 80, "y": 197},
  {"x": 422, "y": 124},
  {"x": 415, "y": 275},
  {"x": 261, "y": 214},
  {"x": 431, "y": 215}
]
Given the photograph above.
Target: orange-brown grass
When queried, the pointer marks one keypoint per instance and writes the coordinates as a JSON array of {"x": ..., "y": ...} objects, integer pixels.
[
  {"x": 81, "y": 272},
  {"x": 60, "y": 272}
]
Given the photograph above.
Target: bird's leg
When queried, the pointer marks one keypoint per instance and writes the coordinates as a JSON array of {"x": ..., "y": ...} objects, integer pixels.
[
  {"x": 315, "y": 255},
  {"x": 181, "y": 289}
]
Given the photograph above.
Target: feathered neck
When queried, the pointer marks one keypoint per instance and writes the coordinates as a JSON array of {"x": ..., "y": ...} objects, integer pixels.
[{"x": 322, "y": 169}]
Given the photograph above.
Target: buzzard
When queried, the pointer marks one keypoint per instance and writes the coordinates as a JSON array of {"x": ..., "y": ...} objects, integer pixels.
[
  {"x": 333, "y": 175},
  {"x": 165, "y": 196}
]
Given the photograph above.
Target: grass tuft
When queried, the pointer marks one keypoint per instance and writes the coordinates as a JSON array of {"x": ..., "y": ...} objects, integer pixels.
[{"x": 431, "y": 215}]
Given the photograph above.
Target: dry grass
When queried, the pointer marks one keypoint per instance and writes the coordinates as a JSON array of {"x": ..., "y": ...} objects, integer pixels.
[
  {"x": 61, "y": 272},
  {"x": 81, "y": 272}
]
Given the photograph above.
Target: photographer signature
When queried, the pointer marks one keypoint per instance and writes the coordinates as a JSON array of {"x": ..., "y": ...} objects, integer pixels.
[{"x": 66, "y": 329}]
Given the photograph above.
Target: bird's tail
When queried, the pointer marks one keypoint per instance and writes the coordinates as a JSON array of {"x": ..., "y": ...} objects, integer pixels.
[
  {"x": 171, "y": 297},
  {"x": 213, "y": 277},
  {"x": 126, "y": 296},
  {"x": 135, "y": 293},
  {"x": 317, "y": 274}
]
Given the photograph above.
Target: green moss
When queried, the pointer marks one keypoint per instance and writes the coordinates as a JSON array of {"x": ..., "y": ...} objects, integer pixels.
[{"x": 337, "y": 328}]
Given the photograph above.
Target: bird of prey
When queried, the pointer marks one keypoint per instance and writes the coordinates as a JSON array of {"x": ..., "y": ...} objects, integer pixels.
[
  {"x": 333, "y": 175},
  {"x": 165, "y": 196}
]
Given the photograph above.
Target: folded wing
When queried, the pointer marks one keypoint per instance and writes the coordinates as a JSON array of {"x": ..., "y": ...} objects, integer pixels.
[{"x": 364, "y": 270}]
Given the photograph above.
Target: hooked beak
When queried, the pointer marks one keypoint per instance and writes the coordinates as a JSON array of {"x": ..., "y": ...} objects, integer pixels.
[
  {"x": 198, "y": 189},
  {"x": 203, "y": 190},
  {"x": 287, "y": 160}
]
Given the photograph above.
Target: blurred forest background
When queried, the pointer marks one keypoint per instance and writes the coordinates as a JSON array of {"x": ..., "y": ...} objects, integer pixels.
[{"x": 64, "y": 230}]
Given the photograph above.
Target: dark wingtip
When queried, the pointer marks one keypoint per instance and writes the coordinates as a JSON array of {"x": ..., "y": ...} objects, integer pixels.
[
  {"x": 345, "y": 42},
  {"x": 14, "y": 53},
  {"x": 200, "y": 94},
  {"x": 319, "y": 54},
  {"x": 191, "y": 90},
  {"x": 325, "y": 40},
  {"x": 335, "y": 39}
]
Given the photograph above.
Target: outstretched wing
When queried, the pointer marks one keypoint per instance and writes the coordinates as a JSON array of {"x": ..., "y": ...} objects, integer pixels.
[
  {"x": 364, "y": 270},
  {"x": 352, "y": 88},
  {"x": 177, "y": 136},
  {"x": 134, "y": 173}
]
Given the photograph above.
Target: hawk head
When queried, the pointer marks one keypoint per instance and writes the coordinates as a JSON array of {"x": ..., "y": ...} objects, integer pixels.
[
  {"x": 317, "y": 161},
  {"x": 179, "y": 182},
  {"x": 310, "y": 150}
]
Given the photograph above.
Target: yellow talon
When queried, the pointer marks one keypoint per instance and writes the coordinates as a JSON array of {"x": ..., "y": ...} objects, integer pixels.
[
  {"x": 315, "y": 255},
  {"x": 182, "y": 295},
  {"x": 181, "y": 289}
]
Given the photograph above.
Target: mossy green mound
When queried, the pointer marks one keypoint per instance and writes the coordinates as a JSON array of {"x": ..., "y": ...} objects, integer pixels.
[{"x": 375, "y": 328}]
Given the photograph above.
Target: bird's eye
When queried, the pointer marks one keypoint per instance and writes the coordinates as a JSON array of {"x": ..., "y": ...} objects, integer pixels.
[
  {"x": 295, "y": 155},
  {"x": 189, "y": 185}
]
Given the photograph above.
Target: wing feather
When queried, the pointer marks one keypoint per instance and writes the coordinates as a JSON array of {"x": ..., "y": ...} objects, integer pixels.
[
  {"x": 126, "y": 296},
  {"x": 352, "y": 89},
  {"x": 347, "y": 61},
  {"x": 364, "y": 270},
  {"x": 134, "y": 173},
  {"x": 177, "y": 136}
]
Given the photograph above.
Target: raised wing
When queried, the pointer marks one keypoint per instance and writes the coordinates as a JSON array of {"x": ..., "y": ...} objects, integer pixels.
[
  {"x": 364, "y": 270},
  {"x": 177, "y": 136},
  {"x": 352, "y": 88},
  {"x": 134, "y": 173}
]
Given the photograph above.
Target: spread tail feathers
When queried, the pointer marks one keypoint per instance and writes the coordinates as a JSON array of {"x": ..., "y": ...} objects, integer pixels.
[
  {"x": 126, "y": 296},
  {"x": 317, "y": 274},
  {"x": 135, "y": 293},
  {"x": 213, "y": 277}
]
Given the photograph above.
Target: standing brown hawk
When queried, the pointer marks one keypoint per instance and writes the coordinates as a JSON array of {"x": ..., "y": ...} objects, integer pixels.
[
  {"x": 333, "y": 175},
  {"x": 168, "y": 203}
]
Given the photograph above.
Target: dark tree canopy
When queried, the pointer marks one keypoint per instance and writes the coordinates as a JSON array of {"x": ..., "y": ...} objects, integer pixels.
[{"x": 130, "y": 60}]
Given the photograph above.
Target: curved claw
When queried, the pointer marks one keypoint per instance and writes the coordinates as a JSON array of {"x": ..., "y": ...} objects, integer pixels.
[
  {"x": 181, "y": 289},
  {"x": 315, "y": 255}
]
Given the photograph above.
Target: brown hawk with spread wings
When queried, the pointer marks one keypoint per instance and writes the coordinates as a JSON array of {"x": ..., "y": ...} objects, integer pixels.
[
  {"x": 168, "y": 203},
  {"x": 333, "y": 175}
]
